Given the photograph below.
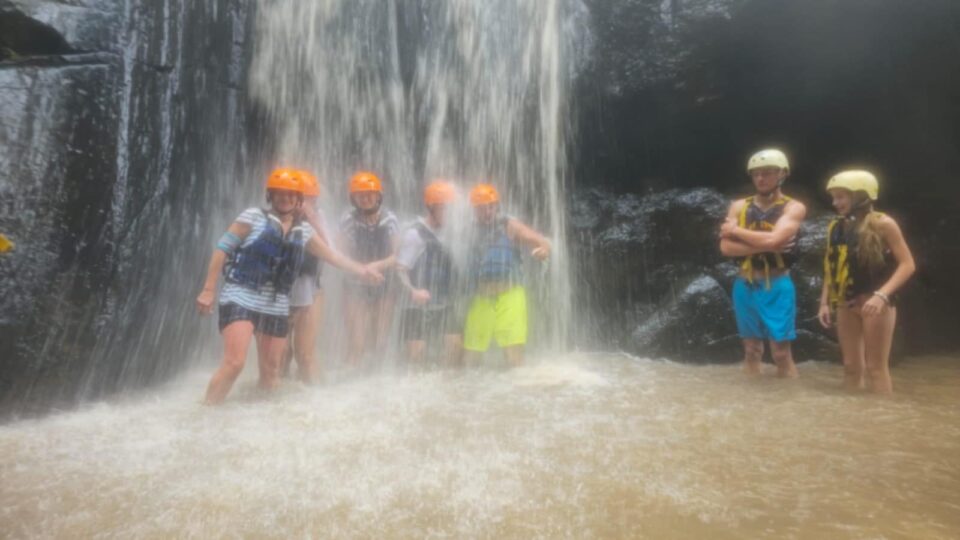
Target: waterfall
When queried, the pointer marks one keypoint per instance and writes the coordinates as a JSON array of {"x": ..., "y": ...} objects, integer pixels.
[{"x": 468, "y": 90}]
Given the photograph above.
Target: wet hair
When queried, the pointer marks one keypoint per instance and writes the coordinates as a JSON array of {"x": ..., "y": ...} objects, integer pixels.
[{"x": 870, "y": 244}]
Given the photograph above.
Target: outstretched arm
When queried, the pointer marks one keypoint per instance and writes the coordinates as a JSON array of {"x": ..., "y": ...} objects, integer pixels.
[
  {"x": 783, "y": 233},
  {"x": 320, "y": 249},
  {"x": 524, "y": 234},
  {"x": 229, "y": 242}
]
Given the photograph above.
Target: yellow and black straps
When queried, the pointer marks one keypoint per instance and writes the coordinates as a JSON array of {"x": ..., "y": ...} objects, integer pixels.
[
  {"x": 836, "y": 263},
  {"x": 754, "y": 219}
]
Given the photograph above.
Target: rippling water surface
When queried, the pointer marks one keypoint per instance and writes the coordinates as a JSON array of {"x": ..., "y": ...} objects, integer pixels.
[{"x": 579, "y": 446}]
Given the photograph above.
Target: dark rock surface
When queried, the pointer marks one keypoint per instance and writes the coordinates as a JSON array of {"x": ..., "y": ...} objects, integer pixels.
[
  {"x": 108, "y": 111},
  {"x": 658, "y": 286},
  {"x": 677, "y": 95}
]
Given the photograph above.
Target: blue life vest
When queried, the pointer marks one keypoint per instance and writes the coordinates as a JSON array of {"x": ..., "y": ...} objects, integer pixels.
[
  {"x": 434, "y": 269},
  {"x": 271, "y": 259},
  {"x": 495, "y": 258}
]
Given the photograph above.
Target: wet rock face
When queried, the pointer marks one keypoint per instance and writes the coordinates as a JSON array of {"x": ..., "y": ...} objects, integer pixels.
[
  {"x": 107, "y": 110},
  {"x": 677, "y": 95},
  {"x": 658, "y": 285}
]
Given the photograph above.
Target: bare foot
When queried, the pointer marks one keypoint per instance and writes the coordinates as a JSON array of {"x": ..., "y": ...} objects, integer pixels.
[{"x": 752, "y": 368}]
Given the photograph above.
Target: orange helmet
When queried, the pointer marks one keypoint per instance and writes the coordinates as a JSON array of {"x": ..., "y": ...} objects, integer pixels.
[
  {"x": 365, "y": 181},
  {"x": 483, "y": 194},
  {"x": 439, "y": 192},
  {"x": 283, "y": 178},
  {"x": 311, "y": 188}
]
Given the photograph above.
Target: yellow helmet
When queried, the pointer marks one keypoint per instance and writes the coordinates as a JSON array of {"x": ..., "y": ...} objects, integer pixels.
[
  {"x": 856, "y": 181},
  {"x": 771, "y": 157}
]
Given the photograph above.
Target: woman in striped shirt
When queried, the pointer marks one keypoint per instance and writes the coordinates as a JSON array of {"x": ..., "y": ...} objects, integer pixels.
[{"x": 260, "y": 256}]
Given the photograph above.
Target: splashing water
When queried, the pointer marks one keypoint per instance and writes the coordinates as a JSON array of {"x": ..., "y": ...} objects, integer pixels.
[
  {"x": 466, "y": 90},
  {"x": 587, "y": 446}
]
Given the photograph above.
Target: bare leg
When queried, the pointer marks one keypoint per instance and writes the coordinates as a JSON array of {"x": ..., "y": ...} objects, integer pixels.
[
  {"x": 783, "y": 357},
  {"x": 415, "y": 350},
  {"x": 236, "y": 339},
  {"x": 850, "y": 334},
  {"x": 318, "y": 321},
  {"x": 472, "y": 359},
  {"x": 514, "y": 354},
  {"x": 304, "y": 341},
  {"x": 753, "y": 356},
  {"x": 453, "y": 350},
  {"x": 356, "y": 311},
  {"x": 296, "y": 314},
  {"x": 384, "y": 313},
  {"x": 877, "y": 341},
  {"x": 269, "y": 354}
]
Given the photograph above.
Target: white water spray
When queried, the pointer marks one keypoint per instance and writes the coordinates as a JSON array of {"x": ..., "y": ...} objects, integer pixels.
[{"x": 468, "y": 90}]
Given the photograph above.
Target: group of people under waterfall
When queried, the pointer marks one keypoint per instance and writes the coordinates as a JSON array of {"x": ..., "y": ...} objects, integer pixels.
[{"x": 271, "y": 260}]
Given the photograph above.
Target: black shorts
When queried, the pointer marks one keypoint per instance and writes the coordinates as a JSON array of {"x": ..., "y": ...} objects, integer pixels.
[
  {"x": 271, "y": 325},
  {"x": 422, "y": 324}
]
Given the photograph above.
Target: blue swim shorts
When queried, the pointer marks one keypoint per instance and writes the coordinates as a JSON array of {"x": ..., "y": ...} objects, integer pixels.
[{"x": 766, "y": 312}]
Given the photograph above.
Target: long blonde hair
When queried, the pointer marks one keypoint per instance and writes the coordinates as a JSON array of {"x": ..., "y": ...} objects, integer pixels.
[{"x": 870, "y": 244}]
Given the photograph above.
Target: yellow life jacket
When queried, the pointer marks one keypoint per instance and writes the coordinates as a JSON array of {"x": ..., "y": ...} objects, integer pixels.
[
  {"x": 754, "y": 219},
  {"x": 836, "y": 262},
  {"x": 845, "y": 275}
]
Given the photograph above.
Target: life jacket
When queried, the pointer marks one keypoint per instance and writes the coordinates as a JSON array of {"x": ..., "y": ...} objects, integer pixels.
[
  {"x": 433, "y": 271},
  {"x": 755, "y": 219},
  {"x": 846, "y": 275},
  {"x": 271, "y": 259},
  {"x": 495, "y": 257},
  {"x": 370, "y": 243},
  {"x": 310, "y": 266}
]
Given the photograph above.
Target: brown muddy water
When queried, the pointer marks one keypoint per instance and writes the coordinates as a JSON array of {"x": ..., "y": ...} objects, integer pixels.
[{"x": 583, "y": 446}]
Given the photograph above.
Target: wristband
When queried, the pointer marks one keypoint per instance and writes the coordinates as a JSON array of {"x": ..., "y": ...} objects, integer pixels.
[
  {"x": 229, "y": 242},
  {"x": 882, "y": 296}
]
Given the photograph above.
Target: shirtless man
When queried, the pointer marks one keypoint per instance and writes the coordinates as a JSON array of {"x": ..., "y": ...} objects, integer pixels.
[{"x": 760, "y": 234}]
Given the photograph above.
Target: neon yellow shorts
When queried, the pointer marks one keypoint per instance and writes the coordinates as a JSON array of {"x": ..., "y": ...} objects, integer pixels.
[{"x": 502, "y": 317}]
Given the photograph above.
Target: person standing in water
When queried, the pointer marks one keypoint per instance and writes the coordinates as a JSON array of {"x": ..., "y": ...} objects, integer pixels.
[
  {"x": 426, "y": 270},
  {"x": 368, "y": 233},
  {"x": 306, "y": 295},
  {"x": 760, "y": 233},
  {"x": 498, "y": 309},
  {"x": 867, "y": 261},
  {"x": 260, "y": 256}
]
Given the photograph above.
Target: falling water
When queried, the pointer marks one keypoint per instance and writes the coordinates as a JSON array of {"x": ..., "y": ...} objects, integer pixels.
[
  {"x": 570, "y": 445},
  {"x": 465, "y": 90}
]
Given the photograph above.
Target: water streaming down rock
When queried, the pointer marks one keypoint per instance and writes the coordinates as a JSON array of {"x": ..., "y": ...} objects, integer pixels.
[
  {"x": 468, "y": 90},
  {"x": 123, "y": 125}
]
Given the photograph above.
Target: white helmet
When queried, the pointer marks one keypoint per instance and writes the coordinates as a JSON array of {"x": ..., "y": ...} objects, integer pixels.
[{"x": 771, "y": 157}]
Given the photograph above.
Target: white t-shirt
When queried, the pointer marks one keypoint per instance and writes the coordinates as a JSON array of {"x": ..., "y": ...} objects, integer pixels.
[
  {"x": 412, "y": 245},
  {"x": 264, "y": 300}
]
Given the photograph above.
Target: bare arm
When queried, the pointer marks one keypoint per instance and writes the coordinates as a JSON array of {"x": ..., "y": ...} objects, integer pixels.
[
  {"x": 217, "y": 260},
  {"x": 318, "y": 247},
  {"x": 898, "y": 246},
  {"x": 524, "y": 234},
  {"x": 389, "y": 262},
  {"x": 310, "y": 214},
  {"x": 784, "y": 231},
  {"x": 730, "y": 246},
  {"x": 823, "y": 314}
]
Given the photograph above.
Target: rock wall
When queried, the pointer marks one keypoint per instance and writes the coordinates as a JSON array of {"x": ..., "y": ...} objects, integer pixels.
[
  {"x": 677, "y": 94},
  {"x": 117, "y": 118}
]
